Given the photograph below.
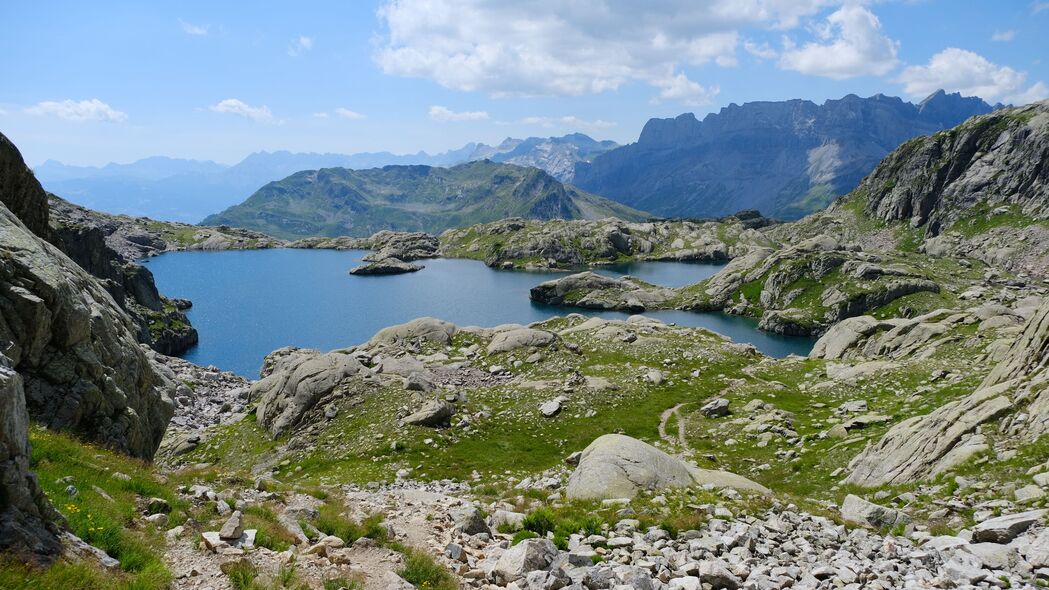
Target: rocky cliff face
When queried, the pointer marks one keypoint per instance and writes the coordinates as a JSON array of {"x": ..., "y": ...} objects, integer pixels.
[
  {"x": 26, "y": 516},
  {"x": 86, "y": 237},
  {"x": 73, "y": 346},
  {"x": 784, "y": 158},
  {"x": 20, "y": 191},
  {"x": 992, "y": 161}
]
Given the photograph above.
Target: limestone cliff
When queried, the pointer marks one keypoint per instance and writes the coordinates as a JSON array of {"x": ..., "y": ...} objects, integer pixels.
[{"x": 75, "y": 349}]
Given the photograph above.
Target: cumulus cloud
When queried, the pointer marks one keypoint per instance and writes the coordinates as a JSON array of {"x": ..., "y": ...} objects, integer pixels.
[
  {"x": 234, "y": 106},
  {"x": 555, "y": 48},
  {"x": 192, "y": 29},
  {"x": 300, "y": 46},
  {"x": 682, "y": 89},
  {"x": 1038, "y": 91},
  {"x": 762, "y": 51},
  {"x": 348, "y": 114},
  {"x": 83, "y": 110},
  {"x": 444, "y": 115},
  {"x": 1003, "y": 36},
  {"x": 960, "y": 70},
  {"x": 850, "y": 44}
]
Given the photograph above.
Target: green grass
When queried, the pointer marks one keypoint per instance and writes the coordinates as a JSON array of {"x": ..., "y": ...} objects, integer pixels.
[
  {"x": 422, "y": 571},
  {"x": 331, "y": 521},
  {"x": 111, "y": 525}
]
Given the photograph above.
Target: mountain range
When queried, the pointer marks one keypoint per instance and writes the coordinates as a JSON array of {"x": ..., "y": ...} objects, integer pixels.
[
  {"x": 785, "y": 158},
  {"x": 188, "y": 190},
  {"x": 346, "y": 202}
]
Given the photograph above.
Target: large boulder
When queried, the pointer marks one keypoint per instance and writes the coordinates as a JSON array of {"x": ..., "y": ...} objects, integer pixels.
[
  {"x": 1003, "y": 529},
  {"x": 418, "y": 329},
  {"x": 519, "y": 338},
  {"x": 295, "y": 380},
  {"x": 527, "y": 556},
  {"x": 25, "y": 514},
  {"x": 433, "y": 413},
  {"x": 856, "y": 510},
  {"x": 618, "y": 466}
]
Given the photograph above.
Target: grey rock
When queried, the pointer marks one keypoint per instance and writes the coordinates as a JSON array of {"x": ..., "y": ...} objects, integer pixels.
[
  {"x": 386, "y": 266},
  {"x": 527, "y": 556},
  {"x": 1003, "y": 529},
  {"x": 26, "y": 516},
  {"x": 715, "y": 408},
  {"x": 859, "y": 511},
  {"x": 617, "y": 466},
  {"x": 432, "y": 413},
  {"x": 510, "y": 340},
  {"x": 468, "y": 520},
  {"x": 294, "y": 380}
]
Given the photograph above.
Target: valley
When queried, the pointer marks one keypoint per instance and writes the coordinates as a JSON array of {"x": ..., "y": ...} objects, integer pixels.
[{"x": 524, "y": 385}]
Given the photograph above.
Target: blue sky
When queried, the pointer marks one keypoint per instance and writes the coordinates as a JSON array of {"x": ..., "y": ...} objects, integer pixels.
[{"x": 94, "y": 82}]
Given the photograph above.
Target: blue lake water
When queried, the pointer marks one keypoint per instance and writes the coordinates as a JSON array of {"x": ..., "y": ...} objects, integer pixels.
[{"x": 249, "y": 303}]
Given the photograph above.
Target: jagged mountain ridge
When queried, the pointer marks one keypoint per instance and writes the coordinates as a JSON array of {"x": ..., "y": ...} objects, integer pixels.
[
  {"x": 786, "y": 158},
  {"x": 188, "y": 190},
  {"x": 340, "y": 201}
]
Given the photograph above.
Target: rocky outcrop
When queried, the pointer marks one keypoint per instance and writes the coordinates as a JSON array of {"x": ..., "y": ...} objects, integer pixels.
[
  {"x": 26, "y": 517},
  {"x": 996, "y": 159},
  {"x": 515, "y": 338},
  {"x": 518, "y": 243},
  {"x": 406, "y": 246},
  {"x": 924, "y": 446},
  {"x": 416, "y": 330},
  {"x": 293, "y": 381},
  {"x": 20, "y": 191},
  {"x": 979, "y": 190},
  {"x": 386, "y": 266},
  {"x": 617, "y": 466},
  {"x": 89, "y": 238},
  {"x": 590, "y": 290},
  {"x": 75, "y": 348}
]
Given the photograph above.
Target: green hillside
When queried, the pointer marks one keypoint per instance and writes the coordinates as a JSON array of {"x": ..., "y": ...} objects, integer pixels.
[{"x": 339, "y": 201}]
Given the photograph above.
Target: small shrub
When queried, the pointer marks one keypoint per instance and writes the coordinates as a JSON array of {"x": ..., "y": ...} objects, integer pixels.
[
  {"x": 422, "y": 571},
  {"x": 522, "y": 535},
  {"x": 540, "y": 521},
  {"x": 242, "y": 574}
]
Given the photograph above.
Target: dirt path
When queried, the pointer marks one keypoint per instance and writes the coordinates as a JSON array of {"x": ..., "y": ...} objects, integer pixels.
[{"x": 664, "y": 419}]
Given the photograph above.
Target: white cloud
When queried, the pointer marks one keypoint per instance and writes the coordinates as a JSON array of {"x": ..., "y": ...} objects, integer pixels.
[
  {"x": 556, "y": 48},
  {"x": 1037, "y": 7},
  {"x": 566, "y": 121},
  {"x": 762, "y": 51},
  {"x": 83, "y": 110},
  {"x": 234, "y": 106},
  {"x": 443, "y": 114},
  {"x": 192, "y": 29},
  {"x": 682, "y": 89},
  {"x": 320, "y": 115},
  {"x": 1003, "y": 36},
  {"x": 1038, "y": 91},
  {"x": 300, "y": 46},
  {"x": 3, "y": 112},
  {"x": 348, "y": 114},
  {"x": 850, "y": 44},
  {"x": 959, "y": 70}
]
